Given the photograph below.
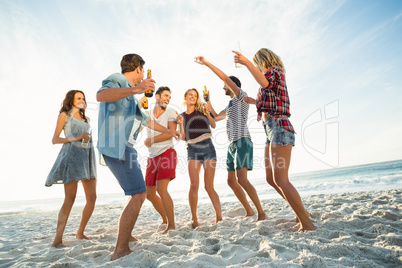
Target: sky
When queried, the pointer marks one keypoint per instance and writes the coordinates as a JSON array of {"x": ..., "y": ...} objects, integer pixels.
[{"x": 343, "y": 63}]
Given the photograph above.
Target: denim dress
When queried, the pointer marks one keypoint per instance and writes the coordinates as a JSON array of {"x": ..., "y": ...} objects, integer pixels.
[{"x": 74, "y": 162}]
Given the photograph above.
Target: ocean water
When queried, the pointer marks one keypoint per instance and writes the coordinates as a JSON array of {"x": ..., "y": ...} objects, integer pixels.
[{"x": 369, "y": 177}]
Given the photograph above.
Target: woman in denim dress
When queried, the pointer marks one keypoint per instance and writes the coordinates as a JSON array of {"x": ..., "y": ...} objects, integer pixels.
[{"x": 75, "y": 162}]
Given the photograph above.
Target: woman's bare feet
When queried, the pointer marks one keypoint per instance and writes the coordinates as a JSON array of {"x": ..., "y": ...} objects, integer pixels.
[
  {"x": 262, "y": 217},
  {"x": 195, "y": 224},
  {"x": 168, "y": 229},
  {"x": 82, "y": 236},
  {"x": 58, "y": 245},
  {"x": 249, "y": 214},
  {"x": 132, "y": 239},
  {"x": 310, "y": 227},
  {"x": 117, "y": 255}
]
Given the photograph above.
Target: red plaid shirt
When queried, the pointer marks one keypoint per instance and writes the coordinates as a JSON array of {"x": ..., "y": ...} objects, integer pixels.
[{"x": 274, "y": 99}]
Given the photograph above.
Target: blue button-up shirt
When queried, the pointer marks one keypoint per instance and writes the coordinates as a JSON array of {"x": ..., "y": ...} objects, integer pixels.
[{"x": 117, "y": 120}]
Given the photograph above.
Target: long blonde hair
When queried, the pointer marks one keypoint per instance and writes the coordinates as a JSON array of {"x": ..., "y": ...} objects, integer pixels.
[
  {"x": 198, "y": 103},
  {"x": 265, "y": 59}
]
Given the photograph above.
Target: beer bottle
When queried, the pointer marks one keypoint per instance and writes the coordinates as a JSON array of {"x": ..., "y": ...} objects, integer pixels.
[
  {"x": 149, "y": 93},
  {"x": 145, "y": 104},
  {"x": 238, "y": 65},
  {"x": 206, "y": 92}
]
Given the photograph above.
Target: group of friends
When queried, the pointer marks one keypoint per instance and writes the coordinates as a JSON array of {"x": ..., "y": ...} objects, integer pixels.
[{"x": 122, "y": 117}]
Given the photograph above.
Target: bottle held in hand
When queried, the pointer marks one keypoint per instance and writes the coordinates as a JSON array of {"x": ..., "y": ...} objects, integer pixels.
[
  {"x": 206, "y": 92},
  {"x": 149, "y": 93},
  {"x": 84, "y": 143},
  {"x": 238, "y": 65},
  {"x": 145, "y": 103}
]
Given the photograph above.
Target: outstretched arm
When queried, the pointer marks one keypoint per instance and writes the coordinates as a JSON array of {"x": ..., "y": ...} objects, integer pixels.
[
  {"x": 218, "y": 117},
  {"x": 257, "y": 74},
  {"x": 203, "y": 61}
]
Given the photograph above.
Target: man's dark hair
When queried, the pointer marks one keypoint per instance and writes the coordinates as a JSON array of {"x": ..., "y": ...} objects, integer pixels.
[
  {"x": 130, "y": 62},
  {"x": 235, "y": 80},
  {"x": 161, "y": 89}
]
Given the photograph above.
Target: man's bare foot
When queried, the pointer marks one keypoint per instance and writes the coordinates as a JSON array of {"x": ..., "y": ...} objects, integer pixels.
[
  {"x": 117, "y": 255},
  {"x": 218, "y": 219},
  {"x": 168, "y": 229},
  {"x": 82, "y": 237},
  {"x": 58, "y": 245},
  {"x": 132, "y": 239},
  {"x": 262, "y": 217},
  {"x": 195, "y": 224}
]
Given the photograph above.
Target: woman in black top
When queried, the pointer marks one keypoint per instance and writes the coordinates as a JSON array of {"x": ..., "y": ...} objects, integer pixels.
[{"x": 195, "y": 129}]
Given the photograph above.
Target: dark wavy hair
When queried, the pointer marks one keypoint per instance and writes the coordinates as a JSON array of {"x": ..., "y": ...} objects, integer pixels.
[
  {"x": 161, "y": 89},
  {"x": 68, "y": 102}
]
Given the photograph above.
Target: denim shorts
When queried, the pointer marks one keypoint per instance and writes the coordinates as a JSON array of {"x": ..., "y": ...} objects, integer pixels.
[
  {"x": 277, "y": 134},
  {"x": 127, "y": 171},
  {"x": 201, "y": 151}
]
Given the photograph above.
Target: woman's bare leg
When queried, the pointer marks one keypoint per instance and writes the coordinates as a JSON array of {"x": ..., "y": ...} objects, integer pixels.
[{"x": 70, "y": 191}]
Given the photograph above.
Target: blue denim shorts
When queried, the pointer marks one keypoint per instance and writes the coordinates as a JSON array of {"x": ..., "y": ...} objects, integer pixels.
[
  {"x": 127, "y": 171},
  {"x": 277, "y": 134},
  {"x": 201, "y": 151}
]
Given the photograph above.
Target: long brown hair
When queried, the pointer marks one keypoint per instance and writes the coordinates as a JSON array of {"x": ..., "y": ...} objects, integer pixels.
[
  {"x": 198, "y": 104},
  {"x": 265, "y": 59},
  {"x": 68, "y": 102}
]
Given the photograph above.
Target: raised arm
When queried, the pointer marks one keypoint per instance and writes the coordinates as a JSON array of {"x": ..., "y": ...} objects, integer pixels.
[
  {"x": 115, "y": 94},
  {"x": 257, "y": 74},
  {"x": 203, "y": 61}
]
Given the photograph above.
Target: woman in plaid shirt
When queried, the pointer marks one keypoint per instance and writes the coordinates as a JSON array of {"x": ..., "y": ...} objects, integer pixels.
[{"x": 273, "y": 106}]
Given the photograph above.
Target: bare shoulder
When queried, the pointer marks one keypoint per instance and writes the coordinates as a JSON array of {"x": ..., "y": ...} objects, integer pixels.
[{"x": 63, "y": 116}]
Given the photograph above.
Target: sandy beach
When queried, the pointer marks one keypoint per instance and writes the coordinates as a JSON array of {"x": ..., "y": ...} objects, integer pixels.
[{"x": 362, "y": 229}]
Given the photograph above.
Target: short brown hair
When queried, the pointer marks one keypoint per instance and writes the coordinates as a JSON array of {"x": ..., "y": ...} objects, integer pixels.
[{"x": 130, "y": 62}]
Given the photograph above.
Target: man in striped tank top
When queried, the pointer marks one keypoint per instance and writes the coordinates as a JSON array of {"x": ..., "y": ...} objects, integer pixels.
[{"x": 240, "y": 152}]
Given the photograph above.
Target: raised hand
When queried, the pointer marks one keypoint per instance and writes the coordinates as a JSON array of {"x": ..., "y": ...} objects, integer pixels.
[
  {"x": 239, "y": 58},
  {"x": 208, "y": 107},
  {"x": 145, "y": 85},
  {"x": 200, "y": 60}
]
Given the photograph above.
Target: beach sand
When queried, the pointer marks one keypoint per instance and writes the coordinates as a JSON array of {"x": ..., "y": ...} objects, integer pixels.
[{"x": 362, "y": 229}]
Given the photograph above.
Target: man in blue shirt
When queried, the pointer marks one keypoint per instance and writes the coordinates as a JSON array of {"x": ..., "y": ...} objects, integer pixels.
[{"x": 120, "y": 120}]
